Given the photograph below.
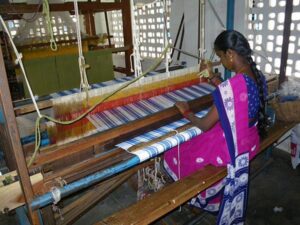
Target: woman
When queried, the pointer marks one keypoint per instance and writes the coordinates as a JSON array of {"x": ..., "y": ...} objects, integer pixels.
[{"x": 232, "y": 127}]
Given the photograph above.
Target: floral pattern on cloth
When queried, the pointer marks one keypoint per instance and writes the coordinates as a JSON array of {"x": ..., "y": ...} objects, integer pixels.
[{"x": 234, "y": 202}]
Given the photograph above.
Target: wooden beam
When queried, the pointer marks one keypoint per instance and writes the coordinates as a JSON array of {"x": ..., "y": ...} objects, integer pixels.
[
  {"x": 286, "y": 40},
  {"x": 96, "y": 6},
  {"x": 89, "y": 22},
  {"x": 14, "y": 137},
  {"x": 11, "y": 201},
  {"x": 127, "y": 33}
]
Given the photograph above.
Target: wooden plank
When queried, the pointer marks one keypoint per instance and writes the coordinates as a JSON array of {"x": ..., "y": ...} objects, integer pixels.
[
  {"x": 48, "y": 215},
  {"x": 21, "y": 110},
  {"x": 14, "y": 137},
  {"x": 172, "y": 196},
  {"x": 89, "y": 22},
  {"x": 52, "y": 154},
  {"x": 95, "y": 6},
  {"x": 286, "y": 40},
  {"x": 10, "y": 194},
  {"x": 276, "y": 132}
]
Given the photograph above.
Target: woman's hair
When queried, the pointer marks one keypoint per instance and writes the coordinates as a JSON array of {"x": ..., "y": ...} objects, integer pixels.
[{"x": 234, "y": 40}]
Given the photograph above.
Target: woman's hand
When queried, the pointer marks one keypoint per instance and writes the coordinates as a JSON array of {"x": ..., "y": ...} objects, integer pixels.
[
  {"x": 182, "y": 107},
  {"x": 207, "y": 65}
]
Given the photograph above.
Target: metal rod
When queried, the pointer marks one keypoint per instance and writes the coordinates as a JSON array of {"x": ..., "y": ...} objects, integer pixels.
[
  {"x": 181, "y": 42},
  {"x": 177, "y": 35},
  {"x": 185, "y": 53},
  {"x": 216, "y": 14}
]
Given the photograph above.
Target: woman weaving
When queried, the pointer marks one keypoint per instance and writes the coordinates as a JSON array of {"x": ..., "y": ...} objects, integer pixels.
[{"x": 232, "y": 127}]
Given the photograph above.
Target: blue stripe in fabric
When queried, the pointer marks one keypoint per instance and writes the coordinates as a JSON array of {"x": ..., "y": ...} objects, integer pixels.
[
  {"x": 191, "y": 93},
  {"x": 165, "y": 144},
  {"x": 119, "y": 115},
  {"x": 143, "y": 107},
  {"x": 201, "y": 91},
  {"x": 131, "y": 111},
  {"x": 156, "y": 104},
  {"x": 183, "y": 95}
]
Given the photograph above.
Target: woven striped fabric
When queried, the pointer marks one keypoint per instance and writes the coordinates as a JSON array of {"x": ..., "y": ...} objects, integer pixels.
[
  {"x": 121, "y": 115},
  {"x": 162, "y": 146},
  {"x": 93, "y": 86}
]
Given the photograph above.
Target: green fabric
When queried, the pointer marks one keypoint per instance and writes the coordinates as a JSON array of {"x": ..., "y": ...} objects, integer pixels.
[
  {"x": 68, "y": 72},
  {"x": 52, "y": 74},
  {"x": 101, "y": 66},
  {"x": 42, "y": 76}
]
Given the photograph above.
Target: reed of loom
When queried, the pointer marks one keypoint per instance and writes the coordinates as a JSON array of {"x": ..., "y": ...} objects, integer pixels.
[{"x": 69, "y": 107}]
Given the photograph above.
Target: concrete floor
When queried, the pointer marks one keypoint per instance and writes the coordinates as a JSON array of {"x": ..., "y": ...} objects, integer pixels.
[{"x": 276, "y": 186}]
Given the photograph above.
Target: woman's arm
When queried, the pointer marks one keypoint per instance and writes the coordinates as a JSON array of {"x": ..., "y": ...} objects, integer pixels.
[{"x": 204, "y": 123}]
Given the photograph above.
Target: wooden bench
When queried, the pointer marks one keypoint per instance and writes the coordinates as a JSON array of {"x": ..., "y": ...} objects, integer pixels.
[{"x": 177, "y": 193}]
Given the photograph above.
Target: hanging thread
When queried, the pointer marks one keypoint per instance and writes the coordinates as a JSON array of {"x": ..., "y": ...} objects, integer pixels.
[
  {"x": 84, "y": 84},
  {"x": 46, "y": 12},
  {"x": 20, "y": 62}
]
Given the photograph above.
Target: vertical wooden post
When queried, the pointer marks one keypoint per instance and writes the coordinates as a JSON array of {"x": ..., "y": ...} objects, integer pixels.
[
  {"x": 15, "y": 143},
  {"x": 127, "y": 29},
  {"x": 89, "y": 22},
  {"x": 286, "y": 40}
]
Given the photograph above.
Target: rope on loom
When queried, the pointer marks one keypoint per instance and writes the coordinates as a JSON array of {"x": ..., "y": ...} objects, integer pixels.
[
  {"x": 46, "y": 12},
  {"x": 136, "y": 44},
  {"x": 19, "y": 61},
  {"x": 84, "y": 84}
]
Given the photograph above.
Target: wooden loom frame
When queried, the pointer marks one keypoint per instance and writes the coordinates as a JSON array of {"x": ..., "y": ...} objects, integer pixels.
[{"x": 13, "y": 141}]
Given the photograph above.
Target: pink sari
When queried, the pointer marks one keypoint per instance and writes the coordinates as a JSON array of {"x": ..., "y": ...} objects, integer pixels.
[{"x": 230, "y": 138}]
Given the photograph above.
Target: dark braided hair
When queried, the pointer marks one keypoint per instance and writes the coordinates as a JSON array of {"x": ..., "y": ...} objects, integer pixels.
[{"x": 234, "y": 40}]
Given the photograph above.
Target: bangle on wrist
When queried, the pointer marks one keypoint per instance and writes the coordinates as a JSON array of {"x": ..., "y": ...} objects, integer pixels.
[{"x": 186, "y": 113}]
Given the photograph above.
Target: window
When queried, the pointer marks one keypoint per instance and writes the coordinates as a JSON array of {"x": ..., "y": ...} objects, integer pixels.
[
  {"x": 150, "y": 22},
  {"x": 265, "y": 34},
  {"x": 36, "y": 31}
]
